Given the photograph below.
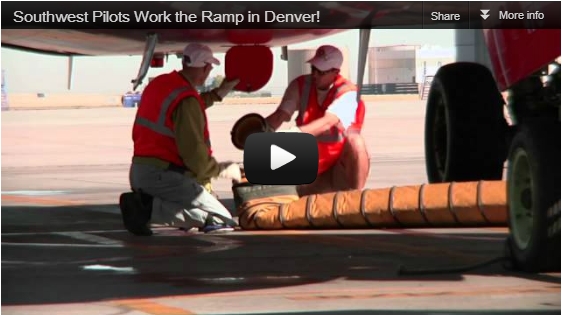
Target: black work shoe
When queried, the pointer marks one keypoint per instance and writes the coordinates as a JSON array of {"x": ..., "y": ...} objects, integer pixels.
[{"x": 136, "y": 210}]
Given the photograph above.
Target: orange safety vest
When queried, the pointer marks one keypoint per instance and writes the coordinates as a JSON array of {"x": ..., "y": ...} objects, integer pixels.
[
  {"x": 153, "y": 130},
  {"x": 331, "y": 143}
]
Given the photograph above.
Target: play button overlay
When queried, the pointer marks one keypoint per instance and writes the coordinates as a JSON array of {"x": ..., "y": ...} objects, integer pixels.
[{"x": 280, "y": 158}]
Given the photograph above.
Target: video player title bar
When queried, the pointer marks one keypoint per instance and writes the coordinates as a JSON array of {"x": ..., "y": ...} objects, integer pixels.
[{"x": 280, "y": 15}]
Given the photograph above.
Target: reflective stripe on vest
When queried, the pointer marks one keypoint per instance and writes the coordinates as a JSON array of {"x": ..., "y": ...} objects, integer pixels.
[
  {"x": 333, "y": 137},
  {"x": 160, "y": 126}
]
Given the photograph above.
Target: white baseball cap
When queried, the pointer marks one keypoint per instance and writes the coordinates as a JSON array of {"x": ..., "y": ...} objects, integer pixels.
[
  {"x": 199, "y": 55},
  {"x": 327, "y": 57}
]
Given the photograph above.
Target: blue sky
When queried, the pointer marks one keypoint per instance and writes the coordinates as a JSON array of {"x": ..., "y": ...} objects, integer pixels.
[{"x": 113, "y": 74}]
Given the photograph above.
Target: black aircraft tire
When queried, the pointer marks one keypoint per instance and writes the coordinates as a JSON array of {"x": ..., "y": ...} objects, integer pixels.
[
  {"x": 465, "y": 128},
  {"x": 533, "y": 190}
]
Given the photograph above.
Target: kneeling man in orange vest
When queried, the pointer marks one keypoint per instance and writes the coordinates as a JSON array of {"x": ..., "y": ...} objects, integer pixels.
[
  {"x": 173, "y": 162},
  {"x": 328, "y": 108}
]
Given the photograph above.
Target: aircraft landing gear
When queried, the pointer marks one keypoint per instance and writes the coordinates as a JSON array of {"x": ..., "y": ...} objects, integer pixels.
[
  {"x": 465, "y": 128},
  {"x": 364, "y": 35},
  {"x": 533, "y": 184},
  {"x": 151, "y": 41}
]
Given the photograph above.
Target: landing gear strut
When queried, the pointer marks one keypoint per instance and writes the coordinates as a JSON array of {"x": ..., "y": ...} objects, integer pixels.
[
  {"x": 533, "y": 183},
  {"x": 364, "y": 35},
  {"x": 533, "y": 175},
  {"x": 151, "y": 41}
]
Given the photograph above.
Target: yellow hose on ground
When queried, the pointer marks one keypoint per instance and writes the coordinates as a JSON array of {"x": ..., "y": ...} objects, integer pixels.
[{"x": 465, "y": 204}]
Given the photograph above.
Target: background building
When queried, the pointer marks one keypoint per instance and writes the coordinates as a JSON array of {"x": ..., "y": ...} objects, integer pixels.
[
  {"x": 429, "y": 59},
  {"x": 389, "y": 69},
  {"x": 392, "y": 64},
  {"x": 406, "y": 63},
  {"x": 402, "y": 69}
]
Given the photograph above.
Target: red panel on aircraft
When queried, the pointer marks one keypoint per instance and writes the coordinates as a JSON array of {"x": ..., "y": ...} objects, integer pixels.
[
  {"x": 157, "y": 61},
  {"x": 241, "y": 37},
  {"x": 253, "y": 65}
]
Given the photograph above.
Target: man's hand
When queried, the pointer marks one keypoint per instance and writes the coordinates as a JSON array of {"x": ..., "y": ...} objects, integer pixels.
[
  {"x": 226, "y": 87},
  {"x": 292, "y": 129},
  {"x": 268, "y": 127},
  {"x": 275, "y": 120},
  {"x": 230, "y": 170}
]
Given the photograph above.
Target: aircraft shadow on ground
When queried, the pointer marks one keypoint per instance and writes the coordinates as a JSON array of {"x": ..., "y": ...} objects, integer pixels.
[{"x": 174, "y": 263}]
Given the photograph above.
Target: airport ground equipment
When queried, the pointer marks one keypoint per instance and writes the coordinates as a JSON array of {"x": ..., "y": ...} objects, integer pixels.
[
  {"x": 468, "y": 204},
  {"x": 245, "y": 126}
]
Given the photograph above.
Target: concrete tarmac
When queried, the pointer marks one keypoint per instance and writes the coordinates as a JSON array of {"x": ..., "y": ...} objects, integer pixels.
[{"x": 65, "y": 250}]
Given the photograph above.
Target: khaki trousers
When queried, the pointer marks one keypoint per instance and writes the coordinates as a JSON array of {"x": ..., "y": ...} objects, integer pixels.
[{"x": 179, "y": 200}]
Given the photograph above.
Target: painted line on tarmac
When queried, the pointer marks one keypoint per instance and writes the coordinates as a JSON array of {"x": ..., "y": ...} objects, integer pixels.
[
  {"x": 40, "y": 201},
  {"x": 58, "y": 232},
  {"x": 59, "y": 263},
  {"x": 35, "y": 192},
  {"x": 405, "y": 291},
  {"x": 62, "y": 245},
  {"x": 58, "y": 202},
  {"x": 429, "y": 292},
  {"x": 219, "y": 243},
  {"x": 96, "y": 240},
  {"x": 91, "y": 238},
  {"x": 150, "y": 307}
]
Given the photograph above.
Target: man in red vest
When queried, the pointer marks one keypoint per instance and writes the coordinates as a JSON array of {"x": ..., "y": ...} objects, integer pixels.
[
  {"x": 328, "y": 108},
  {"x": 173, "y": 162}
]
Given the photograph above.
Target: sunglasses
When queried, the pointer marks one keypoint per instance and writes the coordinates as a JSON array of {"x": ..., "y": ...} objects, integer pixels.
[{"x": 315, "y": 70}]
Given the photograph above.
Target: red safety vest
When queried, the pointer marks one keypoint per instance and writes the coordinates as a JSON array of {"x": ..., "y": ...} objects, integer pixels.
[
  {"x": 153, "y": 130},
  {"x": 331, "y": 143}
]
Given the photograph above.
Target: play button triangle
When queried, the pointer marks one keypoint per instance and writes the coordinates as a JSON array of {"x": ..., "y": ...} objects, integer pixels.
[{"x": 279, "y": 157}]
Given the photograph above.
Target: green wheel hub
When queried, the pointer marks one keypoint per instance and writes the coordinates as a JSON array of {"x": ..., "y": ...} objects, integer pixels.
[{"x": 520, "y": 194}]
